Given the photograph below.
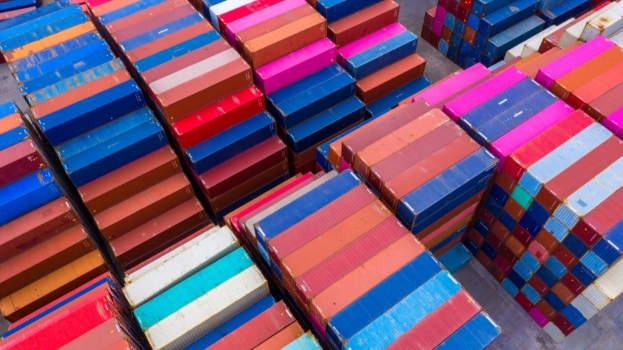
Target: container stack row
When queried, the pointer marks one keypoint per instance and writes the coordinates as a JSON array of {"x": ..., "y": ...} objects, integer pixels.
[
  {"x": 95, "y": 315},
  {"x": 94, "y": 118},
  {"x": 10, "y": 9},
  {"x": 44, "y": 249},
  {"x": 548, "y": 227},
  {"x": 203, "y": 92},
  {"x": 207, "y": 293},
  {"x": 353, "y": 269},
  {"x": 482, "y": 31}
]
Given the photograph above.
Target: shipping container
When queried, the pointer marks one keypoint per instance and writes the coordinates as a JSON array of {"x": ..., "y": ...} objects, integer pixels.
[{"x": 362, "y": 23}]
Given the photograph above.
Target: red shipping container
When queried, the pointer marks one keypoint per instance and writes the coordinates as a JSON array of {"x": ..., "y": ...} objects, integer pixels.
[
  {"x": 563, "y": 293},
  {"x": 168, "y": 41},
  {"x": 547, "y": 240},
  {"x": 319, "y": 222},
  {"x": 563, "y": 324},
  {"x": 144, "y": 206},
  {"x": 243, "y": 11},
  {"x": 597, "y": 87},
  {"x": 363, "y": 278},
  {"x": 19, "y": 160},
  {"x": 144, "y": 15},
  {"x": 181, "y": 62},
  {"x": 441, "y": 225},
  {"x": 538, "y": 285},
  {"x": 565, "y": 256},
  {"x": 502, "y": 264},
  {"x": 389, "y": 78},
  {"x": 586, "y": 232},
  {"x": 130, "y": 179},
  {"x": 487, "y": 218},
  {"x": 540, "y": 146},
  {"x": 367, "y": 21},
  {"x": 330, "y": 242},
  {"x": 606, "y": 104},
  {"x": 330, "y": 271},
  {"x": 558, "y": 189},
  {"x": 440, "y": 324},
  {"x": 523, "y": 301},
  {"x": 242, "y": 167},
  {"x": 98, "y": 9},
  {"x": 522, "y": 236},
  {"x": 283, "y": 338},
  {"x": 257, "y": 330},
  {"x": 572, "y": 283},
  {"x": 215, "y": 118},
  {"x": 107, "y": 335},
  {"x": 601, "y": 219},
  {"x": 29, "y": 229},
  {"x": 149, "y": 238},
  {"x": 152, "y": 23},
  {"x": 505, "y": 181},
  {"x": 42, "y": 259},
  {"x": 418, "y": 174}
]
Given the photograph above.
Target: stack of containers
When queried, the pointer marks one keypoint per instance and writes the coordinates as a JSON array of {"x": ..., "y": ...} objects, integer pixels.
[
  {"x": 551, "y": 224},
  {"x": 210, "y": 283},
  {"x": 484, "y": 35},
  {"x": 574, "y": 32},
  {"x": 589, "y": 78},
  {"x": 397, "y": 70},
  {"x": 93, "y": 316},
  {"x": 205, "y": 95},
  {"x": 10, "y": 9},
  {"x": 44, "y": 249},
  {"x": 531, "y": 45},
  {"x": 337, "y": 252},
  {"x": 112, "y": 148}
]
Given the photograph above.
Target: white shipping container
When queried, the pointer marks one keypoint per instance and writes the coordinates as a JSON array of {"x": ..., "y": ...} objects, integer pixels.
[
  {"x": 611, "y": 282},
  {"x": 617, "y": 38},
  {"x": 605, "y": 24},
  {"x": 257, "y": 218},
  {"x": 179, "y": 265},
  {"x": 138, "y": 273},
  {"x": 224, "y": 7},
  {"x": 586, "y": 308},
  {"x": 596, "y": 297},
  {"x": 554, "y": 332},
  {"x": 573, "y": 33},
  {"x": 209, "y": 311},
  {"x": 534, "y": 44}
]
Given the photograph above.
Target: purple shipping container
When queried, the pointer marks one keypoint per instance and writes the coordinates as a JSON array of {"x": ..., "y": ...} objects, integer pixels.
[
  {"x": 482, "y": 93},
  {"x": 562, "y": 66},
  {"x": 458, "y": 82},
  {"x": 614, "y": 122},
  {"x": 437, "y": 27}
]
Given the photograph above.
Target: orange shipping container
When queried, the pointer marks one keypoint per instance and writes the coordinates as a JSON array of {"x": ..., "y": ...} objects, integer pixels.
[
  {"x": 365, "y": 277},
  {"x": 285, "y": 40},
  {"x": 386, "y": 80},
  {"x": 110, "y": 7}
]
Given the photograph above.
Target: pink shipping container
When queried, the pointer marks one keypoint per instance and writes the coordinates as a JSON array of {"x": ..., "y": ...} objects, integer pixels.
[
  {"x": 345, "y": 52},
  {"x": 483, "y": 92},
  {"x": 437, "y": 27},
  {"x": 295, "y": 66},
  {"x": 614, "y": 122},
  {"x": 538, "y": 317},
  {"x": 557, "y": 69},
  {"x": 454, "y": 84},
  {"x": 259, "y": 17},
  {"x": 507, "y": 144}
]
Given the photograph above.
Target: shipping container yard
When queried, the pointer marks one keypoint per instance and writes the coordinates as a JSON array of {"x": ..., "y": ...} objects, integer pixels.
[{"x": 311, "y": 174}]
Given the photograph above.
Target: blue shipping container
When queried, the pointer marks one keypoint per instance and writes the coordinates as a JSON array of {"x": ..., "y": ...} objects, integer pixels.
[
  {"x": 482, "y": 8},
  {"x": 12, "y": 137},
  {"x": 39, "y": 22},
  {"x": 498, "y": 45},
  {"x": 231, "y": 142},
  {"x": 455, "y": 258},
  {"x": 160, "y": 32},
  {"x": 565, "y": 11},
  {"x": 334, "y": 10},
  {"x": 29, "y": 16},
  {"x": 40, "y": 33},
  {"x": 506, "y": 16},
  {"x": 382, "y": 55},
  {"x": 128, "y": 10},
  {"x": 477, "y": 333},
  {"x": 391, "y": 100},
  {"x": 27, "y": 194}
]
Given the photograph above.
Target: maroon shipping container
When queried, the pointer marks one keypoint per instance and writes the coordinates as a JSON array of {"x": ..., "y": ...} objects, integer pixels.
[
  {"x": 168, "y": 41},
  {"x": 168, "y": 249},
  {"x": 522, "y": 236},
  {"x": 418, "y": 174},
  {"x": 579, "y": 173},
  {"x": 572, "y": 283},
  {"x": 563, "y": 324},
  {"x": 27, "y": 230},
  {"x": 565, "y": 256},
  {"x": 130, "y": 179},
  {"x": 523, "y": 301},
  {"x": 414, "y": 153},
  {"x": 429, "y": 17},
  {"x": 18, "y": 161},
  {"x": 148, "y": 239},
  {"x": 462, "y": 13},
  {"x": 42, "y": 259},
  {"x": 250, "y": 185},
  {"x": 257, "y": 330},
  {"x": 364, "y": 22},
  {"x": 184, "y": 61},
  {"x": 316, "y": 280},
  {"x": 152, "y": 23},
  {"x": 144, "y": 206},
  {"x": 319, "y": 222},
  {"x": 144, "y": 15},
  {"x": 242, "y": 167},
  {"x": 205, "y": 89},
  {"x": 390, "y": 122},
  {"x": 606, "y": 103},
  {"x": 601, "y": 219},
  {"x": 439, "y": 324},
  {"x": 538, "y": 285},
  {"x": 505, "y": 181}
]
